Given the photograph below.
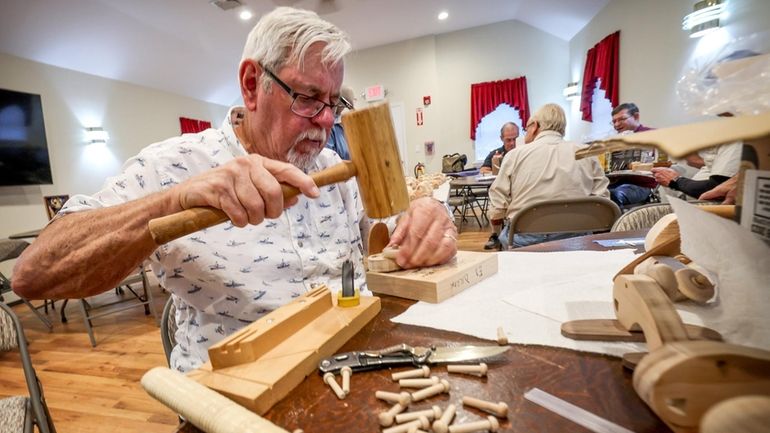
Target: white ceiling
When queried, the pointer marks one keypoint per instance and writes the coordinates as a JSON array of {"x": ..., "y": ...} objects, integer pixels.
[{"x": 192, "y": 48}]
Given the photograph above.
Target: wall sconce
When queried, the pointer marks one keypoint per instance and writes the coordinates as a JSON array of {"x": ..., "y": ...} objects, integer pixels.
[
  {"x": 572, "y": 90},
  {"x": 704, "y": 18},
  {"x": 96, "y": 134}
]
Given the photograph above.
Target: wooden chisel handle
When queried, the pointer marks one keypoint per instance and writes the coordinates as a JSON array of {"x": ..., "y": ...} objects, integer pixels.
[{"x": 167, "y": 228}]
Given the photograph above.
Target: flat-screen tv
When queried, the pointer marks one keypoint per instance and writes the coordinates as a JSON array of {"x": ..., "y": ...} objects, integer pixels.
[{"x": 23, "y": 146}]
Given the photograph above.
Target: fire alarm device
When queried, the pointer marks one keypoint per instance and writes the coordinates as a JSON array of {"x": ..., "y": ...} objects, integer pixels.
[{"x": 426, "y": 100}]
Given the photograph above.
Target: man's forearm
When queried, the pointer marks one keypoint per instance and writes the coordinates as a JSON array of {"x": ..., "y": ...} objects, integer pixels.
[
  {"x": 86, "y": 253},
  {"x": 694, "y": 188}
]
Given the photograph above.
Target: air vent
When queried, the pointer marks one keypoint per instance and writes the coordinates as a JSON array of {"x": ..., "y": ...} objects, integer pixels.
[{"x": 226, "y": 5}]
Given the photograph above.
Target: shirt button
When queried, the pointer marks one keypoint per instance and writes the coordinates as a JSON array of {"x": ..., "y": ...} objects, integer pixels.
[{"x": 299, "y": 244}]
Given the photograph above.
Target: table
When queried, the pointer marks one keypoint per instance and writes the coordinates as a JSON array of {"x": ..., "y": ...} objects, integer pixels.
[
  {"x": 594, "y": 382},
  {"x": 24, "y": 235}
]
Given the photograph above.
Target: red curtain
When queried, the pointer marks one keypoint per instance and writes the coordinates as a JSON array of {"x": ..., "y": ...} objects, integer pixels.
[
  {"x": 602, "y": 62},
  {"x": 191, "y": 126},
  {"x": 485, "y": 97}
]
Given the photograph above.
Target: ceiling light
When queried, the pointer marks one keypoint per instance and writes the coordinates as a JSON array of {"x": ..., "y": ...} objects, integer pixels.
[
  {"x": 704, "y": 18},
  {"x": 443, "y": 15},
  {"x": 245, "y": 15}
]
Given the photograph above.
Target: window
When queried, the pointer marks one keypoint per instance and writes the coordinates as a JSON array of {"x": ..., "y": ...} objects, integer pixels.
[
  {"x": 601, "y": 109},
  {"x": 488, "y": 131}
]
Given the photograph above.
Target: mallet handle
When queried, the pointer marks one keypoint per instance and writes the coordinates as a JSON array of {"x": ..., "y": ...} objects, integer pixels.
[{"x": 167, "y": 228}]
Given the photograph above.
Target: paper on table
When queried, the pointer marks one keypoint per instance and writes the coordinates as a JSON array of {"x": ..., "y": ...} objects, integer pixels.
[
  {"x": 621, "y": 243},
  {"x": 479, "y": 310},
  {"x": 741, "y": 262}
]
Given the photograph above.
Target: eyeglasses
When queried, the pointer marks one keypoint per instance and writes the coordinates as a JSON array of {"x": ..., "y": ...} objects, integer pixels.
[
  {"x": 619, "y": 119},
  {"x": 307, "y": 106}
]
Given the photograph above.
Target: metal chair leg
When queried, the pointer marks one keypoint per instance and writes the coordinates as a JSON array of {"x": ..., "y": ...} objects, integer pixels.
[
  {"x": 87, "y": 320},
  {"x": 42, "y": 318}
]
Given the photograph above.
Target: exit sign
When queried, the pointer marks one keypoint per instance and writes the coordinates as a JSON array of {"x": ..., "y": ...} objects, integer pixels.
[{"x": 374, "y": 93}]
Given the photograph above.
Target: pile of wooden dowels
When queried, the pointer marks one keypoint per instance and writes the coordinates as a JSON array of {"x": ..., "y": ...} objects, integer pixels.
[{"x": 417, "y": 385}]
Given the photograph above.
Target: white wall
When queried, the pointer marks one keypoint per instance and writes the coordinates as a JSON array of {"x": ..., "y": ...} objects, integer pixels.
[
  {"x": 133, "y": 116},
  {"x": 655, "y": 51},
  {"x": 445, "y": 66}
]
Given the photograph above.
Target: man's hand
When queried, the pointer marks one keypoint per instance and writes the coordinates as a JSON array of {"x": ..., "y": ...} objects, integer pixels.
[
  {"x": 727, "y": 190},
  {"x": 664, "y": 176},
  {"x": 425, "y": 235},
  {"x": 247, "y": 189},
  {"x": 485, "y": 170}
]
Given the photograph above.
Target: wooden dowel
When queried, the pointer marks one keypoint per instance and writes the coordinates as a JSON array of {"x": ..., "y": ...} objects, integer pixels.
[
  {"x": 402, "y": 398},
  {"x": 430, "y": 391},
  {"x": 502, "y": 339},
  {"x": 346, "y": 372},
  {"x": 329, "y": 379},
  {"x": 386, "y": 418},
  {"x": 490, "y": 424},
  {"x": 431, "y": 414},
  {"x": 421, "y": 422},
  {"x": 480, "y": 369},
  {"x": 498, "y": 409},
  {"x": 442, "y": 425},
  {"x": 409, "y": 374},
  {"x": 418, "y": 383}
]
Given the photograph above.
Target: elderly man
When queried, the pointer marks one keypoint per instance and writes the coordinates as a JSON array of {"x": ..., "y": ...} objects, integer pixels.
[
  {"x": 226, "y": 276},
  {"x": 545, "y": 169},
  {"x": 508, "y": 135},
  {"x": 625, "y": 119}
]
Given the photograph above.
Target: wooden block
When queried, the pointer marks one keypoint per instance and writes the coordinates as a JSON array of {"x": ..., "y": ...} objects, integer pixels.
[
  {"x": 437, "y": 283},
  {"x": 280, "y": 364}
]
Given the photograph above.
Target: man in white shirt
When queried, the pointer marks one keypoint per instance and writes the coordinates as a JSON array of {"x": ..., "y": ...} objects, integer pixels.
[
  {"x": 226, "y": 276},
  {"x": 545, "y": 169}
]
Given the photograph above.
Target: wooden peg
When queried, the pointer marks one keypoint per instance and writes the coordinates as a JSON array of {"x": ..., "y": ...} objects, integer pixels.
[
  {"x": 502, "y": 339},
  {"x": 346, "y": 372},
  {"x": 431, "y": 414},
  {"x": 500, "y": 409},
  {"x": 490, "y": 424},
  {"x": 480, "y": 369},
  {"x": 442, "y": 425},
  {"x": 329, "y": 379},
  {"x": 418, "y": 383},
  {"x": 421, "y": 422},
  {"x": 403, "y": 398},
  {"x": 430, "y": 391},
  {"x": 386, "y": 418},
  {"x": 409, "y": 374}
]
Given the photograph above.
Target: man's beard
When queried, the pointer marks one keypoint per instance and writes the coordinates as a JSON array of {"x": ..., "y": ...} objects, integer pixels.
[{"x": 304, "y": 160}]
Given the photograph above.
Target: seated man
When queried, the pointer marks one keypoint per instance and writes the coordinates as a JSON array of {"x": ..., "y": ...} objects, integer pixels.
[
  {"x": 625, "y": 119},
  {"x": 226, "y": 276},
  {"x": 508, "y": 135},
  {"x": 545, "y": 169},
  {"x": 719, "y": 164}
]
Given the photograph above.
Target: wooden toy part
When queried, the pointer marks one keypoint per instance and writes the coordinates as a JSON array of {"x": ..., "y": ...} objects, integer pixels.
[
  {"x": 662, "y": 271},
  {"x": 421, "y": 422},
  {"x": 499, "y": 409},
  {"x": 430, "y": 391},
  {"x": 681, "y": 381},
  {"x": 402, "y": 398},
  {"x": 641, "y": 304},
  {"x": 387, "y": 418},
  {"x": 380, "y": 263},
  {"x": 442, "y": 425},
  {"x": 490, "y": 424},
  {"x": 694, "y": 285},
  {"x": 204, "y": 408},
  {"x": 423, "y": 371},
  {"x": 418, "y": 383},
  {"x": 260, "y": 364},
  {"x": 612, "y": 330},
  {"x": 346, "y": 373},
  {"x": 479, "y": 369},
  {"x": 375, "y": 163},
  {"x": 747, "y": 414},
  {"x": 502, "y": 339},
  {"x": 432, "y": 413},
  {"x": 332, "y": 382},
  {"x": 379, "y": 237}
]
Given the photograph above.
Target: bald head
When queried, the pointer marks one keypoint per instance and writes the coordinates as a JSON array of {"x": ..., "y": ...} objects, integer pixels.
[{"x": 508, "y": 135}]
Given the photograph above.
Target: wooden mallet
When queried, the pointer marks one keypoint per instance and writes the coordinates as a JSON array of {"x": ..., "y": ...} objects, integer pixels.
[{"x": 376, "y": 164}]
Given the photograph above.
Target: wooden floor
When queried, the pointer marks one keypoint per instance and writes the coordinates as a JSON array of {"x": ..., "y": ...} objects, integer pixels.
[{"x": 97, "y": 389}]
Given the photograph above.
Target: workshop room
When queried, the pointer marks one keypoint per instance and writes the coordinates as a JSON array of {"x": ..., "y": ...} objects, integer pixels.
[{"x": 449, "y": 216}]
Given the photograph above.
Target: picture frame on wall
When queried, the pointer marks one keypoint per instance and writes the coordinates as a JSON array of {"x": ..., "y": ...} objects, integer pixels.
[{"x": 54, "y": 203}]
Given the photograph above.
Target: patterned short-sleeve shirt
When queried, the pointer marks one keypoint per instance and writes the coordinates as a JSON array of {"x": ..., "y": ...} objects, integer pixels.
[{"x": 225, "y": 277}]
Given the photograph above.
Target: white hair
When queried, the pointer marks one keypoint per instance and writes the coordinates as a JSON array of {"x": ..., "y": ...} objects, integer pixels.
[
  {"x": 550, "y": 117},
  {"x": 283, "y": 36}
]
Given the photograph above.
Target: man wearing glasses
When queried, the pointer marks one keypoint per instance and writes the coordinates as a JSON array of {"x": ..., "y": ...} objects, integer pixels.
[
  {"x": 625, "y": 119},
  {"x": 226, "y": 276}
]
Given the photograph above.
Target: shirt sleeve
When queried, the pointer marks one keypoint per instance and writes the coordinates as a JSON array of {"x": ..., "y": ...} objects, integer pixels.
[
  {"x": 727, "y": 160},
  {"x": 488, "y": 159},
  {"x": 694, "y": 188},
  {"x": 600, "y": 181}
]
